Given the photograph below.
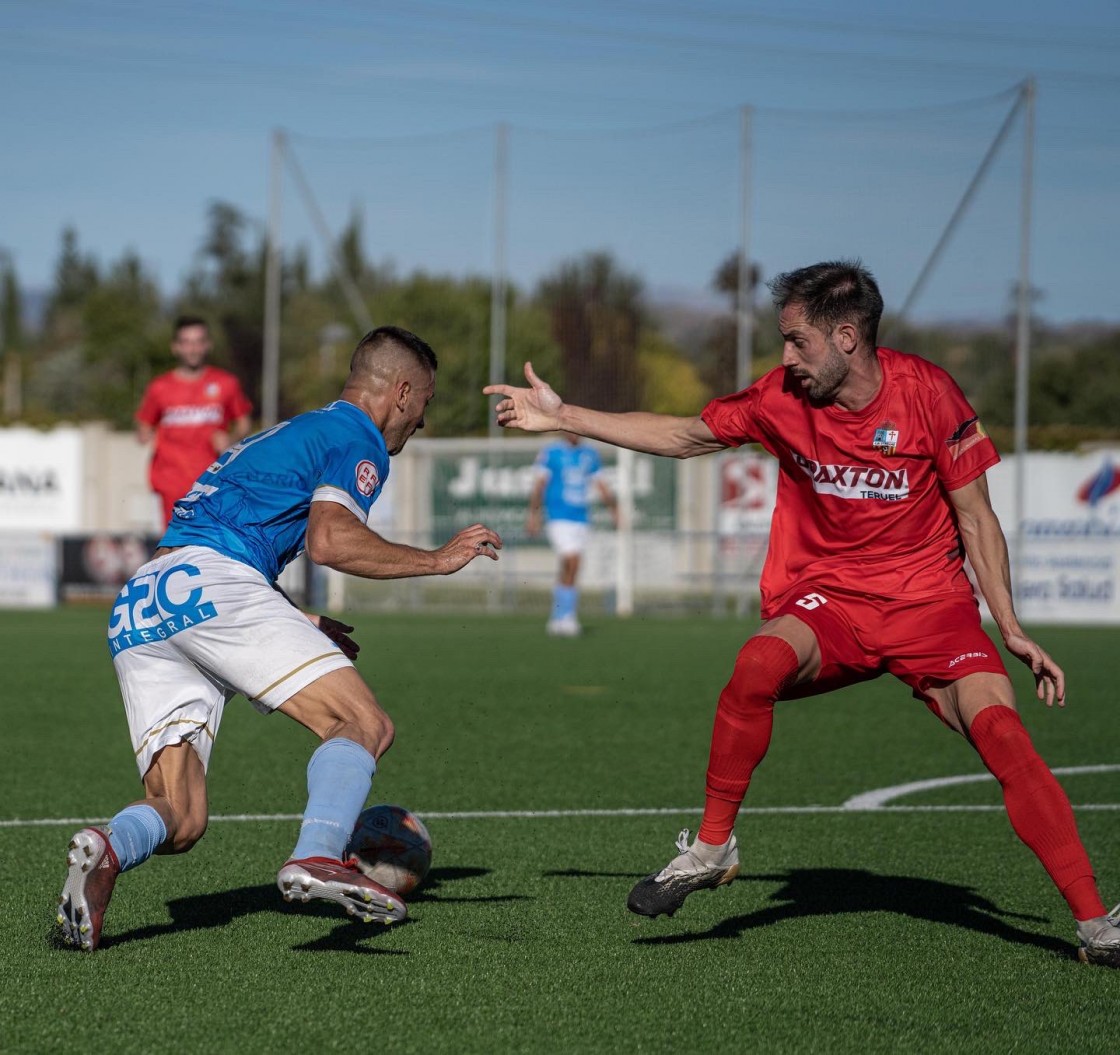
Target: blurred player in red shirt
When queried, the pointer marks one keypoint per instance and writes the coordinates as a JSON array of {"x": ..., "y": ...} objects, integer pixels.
[
  {"x": 193, "y": 413},
  {"x": 882, "y": 495}
]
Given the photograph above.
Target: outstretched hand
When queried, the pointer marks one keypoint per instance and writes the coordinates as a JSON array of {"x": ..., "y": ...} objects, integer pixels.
[
  {"x": 475, "y": 541},
  {"x": 339, "y": 633},
  {"x": 1049, "y": 678},
  {"x": 533, "y": 409}
]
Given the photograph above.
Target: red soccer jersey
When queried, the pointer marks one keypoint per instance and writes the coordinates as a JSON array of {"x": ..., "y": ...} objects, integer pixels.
[
  {"x": 862, "y": 501},
  {"x": 185, "y": 414}
]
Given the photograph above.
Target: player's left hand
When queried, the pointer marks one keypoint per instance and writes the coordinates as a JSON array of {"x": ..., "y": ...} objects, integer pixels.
[
  {"x": 1049, "y": 678},
  {"x": 475, "y": 541},
  {"x": 339, "y": 633}
]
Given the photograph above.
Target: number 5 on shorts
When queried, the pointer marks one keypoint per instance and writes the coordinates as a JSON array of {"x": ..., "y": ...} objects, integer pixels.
[{"x": 811, "y": 601}]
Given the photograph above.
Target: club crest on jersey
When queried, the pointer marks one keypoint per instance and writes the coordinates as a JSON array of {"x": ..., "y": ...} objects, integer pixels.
[
  {"x": 366, "y": 477},
  {"x": 967, "y": 434},
  {"x": 885, "y": 439}
]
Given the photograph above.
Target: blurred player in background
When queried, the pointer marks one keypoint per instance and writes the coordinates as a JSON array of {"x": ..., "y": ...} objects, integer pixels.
[
  {"x": 882, "y": 494},
  {"x": 193, "y": 413},
  {"x": 565, "y": 471},
  {"x": 204, "y": 620}
]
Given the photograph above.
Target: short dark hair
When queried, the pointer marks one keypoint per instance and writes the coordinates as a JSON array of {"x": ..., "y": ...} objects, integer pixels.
[
  {"x": 832, "y": 292},
  {"x": 379, "y": 338},
  {"x": 184, "y": 322}
]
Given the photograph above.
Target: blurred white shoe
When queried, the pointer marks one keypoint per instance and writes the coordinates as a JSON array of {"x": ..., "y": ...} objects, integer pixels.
[{"x": 566, "y": 627}]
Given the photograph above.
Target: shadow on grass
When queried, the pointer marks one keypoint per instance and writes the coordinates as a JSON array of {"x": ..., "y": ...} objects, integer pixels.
[
  {"x": 219, "y": 909},
  {"x": 834, "y": 891}
]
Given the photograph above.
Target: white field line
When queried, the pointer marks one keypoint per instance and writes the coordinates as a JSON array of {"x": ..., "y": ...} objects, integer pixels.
[{"x": 876, "y": 801}]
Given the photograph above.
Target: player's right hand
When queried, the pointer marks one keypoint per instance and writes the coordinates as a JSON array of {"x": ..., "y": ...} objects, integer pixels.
[
  {"x": 475, "y": 541},
  {"x": 533, "y": 409},
  {"x": 1049, "y": 678}
]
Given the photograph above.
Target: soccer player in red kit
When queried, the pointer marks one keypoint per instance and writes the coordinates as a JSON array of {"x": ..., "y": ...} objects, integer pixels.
[
  {"x": 193, "y": 413},
  {"x": 881, "y": 497}
]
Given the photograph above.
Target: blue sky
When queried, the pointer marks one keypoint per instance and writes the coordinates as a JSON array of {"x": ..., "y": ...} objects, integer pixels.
[{"x": 125, "y": 119}]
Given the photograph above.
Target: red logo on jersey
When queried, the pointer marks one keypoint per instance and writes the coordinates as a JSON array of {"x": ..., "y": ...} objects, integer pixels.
[
  {"x": 367, "y": 478},
  {"x": 968, "y": 434}
]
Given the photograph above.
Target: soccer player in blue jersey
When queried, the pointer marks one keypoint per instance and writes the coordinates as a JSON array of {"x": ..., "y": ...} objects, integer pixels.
[
  {"x": 565, "y": 471},
  {"x": 204, "y": 620}
]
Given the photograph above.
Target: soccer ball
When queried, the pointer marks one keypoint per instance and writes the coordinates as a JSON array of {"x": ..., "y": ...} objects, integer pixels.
[{"x": 392, "y": 847}]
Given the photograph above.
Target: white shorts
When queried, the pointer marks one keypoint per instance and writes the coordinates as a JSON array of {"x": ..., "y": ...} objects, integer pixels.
[
  {"x": 567, "y": 537},
  {"x": 192, "y": 629}
]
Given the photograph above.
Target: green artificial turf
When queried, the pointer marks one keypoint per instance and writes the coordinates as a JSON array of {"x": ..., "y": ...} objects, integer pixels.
[{"x": 890, "y": 931}]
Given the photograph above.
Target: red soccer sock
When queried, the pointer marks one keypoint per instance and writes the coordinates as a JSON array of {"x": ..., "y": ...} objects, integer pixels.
[
  {"x": 1037, "y": 806},
  {"x": 741, "y": 735}
]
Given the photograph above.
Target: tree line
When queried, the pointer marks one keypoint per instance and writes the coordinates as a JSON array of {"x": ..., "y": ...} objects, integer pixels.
[{"x": 589, "y": 325}]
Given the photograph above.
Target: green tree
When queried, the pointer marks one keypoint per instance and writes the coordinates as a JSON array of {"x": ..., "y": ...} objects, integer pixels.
[
  {"x": 596, "y": 315},
  {"x": 226, "y": 287},
  {"x": 670, "y": 383},
  {"x": 125, "y": 341}
]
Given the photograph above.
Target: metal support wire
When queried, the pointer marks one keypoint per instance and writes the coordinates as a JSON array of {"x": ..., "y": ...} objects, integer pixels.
[
  {"x": 349, "y": 287},
  {"x": 959, "y": 211}
]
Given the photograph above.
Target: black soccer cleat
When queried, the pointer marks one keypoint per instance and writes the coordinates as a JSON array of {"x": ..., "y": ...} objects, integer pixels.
[{"x": 664, "y": 892}]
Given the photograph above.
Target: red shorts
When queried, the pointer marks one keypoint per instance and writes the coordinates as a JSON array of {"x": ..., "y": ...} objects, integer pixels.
[{"x": 922, "y": 643}]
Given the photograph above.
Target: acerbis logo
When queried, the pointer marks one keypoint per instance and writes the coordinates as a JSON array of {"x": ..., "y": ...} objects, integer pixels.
[{"x": 967, "y": 655}]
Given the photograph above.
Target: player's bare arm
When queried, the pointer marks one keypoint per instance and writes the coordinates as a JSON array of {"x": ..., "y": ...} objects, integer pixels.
[
  {"x": 533, "y": 518},
  {"x": 338, "y": 539},
  {"x": 986, "y": 549},
  {"x": 238, "y": 429},
  {"x": 539, "y": 409}
]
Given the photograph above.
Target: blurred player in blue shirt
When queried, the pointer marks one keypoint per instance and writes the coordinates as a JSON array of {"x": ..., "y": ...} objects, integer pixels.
[
  {"x": 204, "y": 620},
  {"x": 565, "y": 473}
]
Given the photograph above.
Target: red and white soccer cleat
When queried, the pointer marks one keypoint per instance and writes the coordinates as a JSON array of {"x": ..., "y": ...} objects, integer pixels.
[
  {"x": 326, "y": 879},
  {"x": 92, "y": 870}
]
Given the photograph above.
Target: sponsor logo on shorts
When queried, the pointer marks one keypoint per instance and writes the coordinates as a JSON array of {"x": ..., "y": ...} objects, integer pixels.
[
  {"x": 967, "y": 655},
  {"x": 366, "y": 476},
  {"x": 855, "y": 481},
  {"x": 157, "y": 606}
]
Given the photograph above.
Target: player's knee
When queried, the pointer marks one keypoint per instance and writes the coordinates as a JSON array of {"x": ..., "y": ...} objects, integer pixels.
[
  {"x": 764, "y": 668},
  {"x": 998, "y": 728},
  {"x": 370, "y": 727},
  {"x": 188, "y": 829}
]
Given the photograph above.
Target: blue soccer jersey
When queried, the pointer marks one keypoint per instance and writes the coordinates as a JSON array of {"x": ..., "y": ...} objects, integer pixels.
[
  {"x": 252, "y": 503},
  {"x": 570, "y": 470}
]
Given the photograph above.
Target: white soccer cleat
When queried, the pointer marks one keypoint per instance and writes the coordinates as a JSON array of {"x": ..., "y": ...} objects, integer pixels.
[
  {"x": 665, "y": 891},
  {"x": 1100, "y": 940},
  {"x": 324, "y": 879},
  {"x": 566, "y": 627}
]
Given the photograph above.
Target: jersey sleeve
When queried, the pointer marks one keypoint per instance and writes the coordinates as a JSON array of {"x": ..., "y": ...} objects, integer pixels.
[
  {"x": 236, "y": 403},
  {"x": 150, "y": 410},
  {"x": 352, "y": 476},
  {"x": 963, "y": 450},
  {"x": 542, "y": 464},
  {"x": 594, "y": 464},
  {"x": 733, "y": 419}
]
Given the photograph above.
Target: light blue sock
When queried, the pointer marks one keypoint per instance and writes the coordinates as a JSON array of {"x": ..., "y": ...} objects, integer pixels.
[
  {"x": 338, "y": 780},
  {"x": 568, "y": 601},
  {"x": 135, "y": 833},
  {"x": 557, "y": 603}
]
